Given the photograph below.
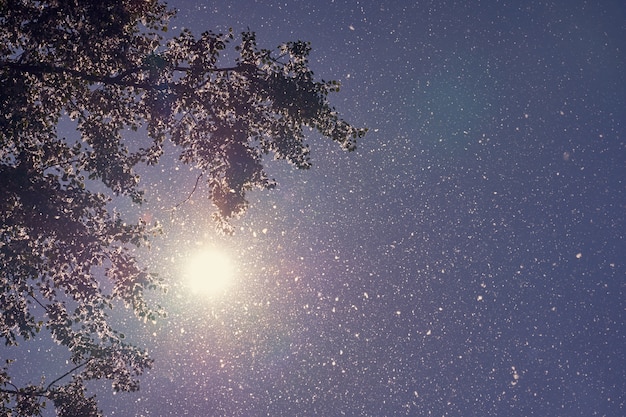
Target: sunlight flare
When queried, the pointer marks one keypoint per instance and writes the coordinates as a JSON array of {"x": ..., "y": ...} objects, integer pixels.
[{"x": 209, "y": 272}]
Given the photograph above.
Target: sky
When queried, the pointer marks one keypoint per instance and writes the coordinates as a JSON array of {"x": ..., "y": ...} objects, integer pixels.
[{"x": 469, "y": 259}]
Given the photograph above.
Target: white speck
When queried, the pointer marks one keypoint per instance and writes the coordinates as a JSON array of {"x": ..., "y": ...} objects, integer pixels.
[
  {"x": 515, "y": 376},
  {"x": 351, "y": 27},
  {"x": 579, "y": 255},
  {"x": 366, "y": 295}
]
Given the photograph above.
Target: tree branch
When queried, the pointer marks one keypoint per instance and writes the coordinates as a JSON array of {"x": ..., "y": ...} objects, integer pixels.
[
  {"x": 51, "y": 69},
  {"x": 190, "y": 194},
  {"x": 44, "y": 392},
  {"x": 112, "y": 80},
  {"x": 67, "y": 373}
]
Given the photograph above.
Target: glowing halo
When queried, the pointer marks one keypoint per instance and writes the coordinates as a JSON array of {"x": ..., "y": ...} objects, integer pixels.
[{"x": 209, "y": 272}]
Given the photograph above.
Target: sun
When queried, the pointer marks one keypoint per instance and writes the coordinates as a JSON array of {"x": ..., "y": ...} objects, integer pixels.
[{"x": 209, "y": 272}]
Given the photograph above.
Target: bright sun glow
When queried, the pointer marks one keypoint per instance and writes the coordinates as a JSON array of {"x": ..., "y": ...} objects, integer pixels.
[{"x": 209, "y": 272}]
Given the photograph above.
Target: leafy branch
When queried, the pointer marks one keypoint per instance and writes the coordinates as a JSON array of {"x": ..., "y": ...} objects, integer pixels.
[{"x": 120, "y": 79}]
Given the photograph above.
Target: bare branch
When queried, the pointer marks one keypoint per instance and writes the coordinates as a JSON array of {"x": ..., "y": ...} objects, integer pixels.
[
  {"x": 190, "y": 194},
  {"x": 74, "y": 369}
]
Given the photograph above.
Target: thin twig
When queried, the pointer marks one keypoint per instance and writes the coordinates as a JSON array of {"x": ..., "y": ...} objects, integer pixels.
[
  {"x": 190, "y": 194},
  {"x": 67, "y": 373},
  {"x": 31, "y": 295},
  {"x": 45, "y": 392}
]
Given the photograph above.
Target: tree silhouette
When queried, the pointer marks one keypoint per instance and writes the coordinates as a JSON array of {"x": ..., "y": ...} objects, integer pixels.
[{"x": 105, "y": 65}]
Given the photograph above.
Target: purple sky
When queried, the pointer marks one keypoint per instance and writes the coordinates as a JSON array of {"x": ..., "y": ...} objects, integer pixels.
[{"x": 468, "y": 259}]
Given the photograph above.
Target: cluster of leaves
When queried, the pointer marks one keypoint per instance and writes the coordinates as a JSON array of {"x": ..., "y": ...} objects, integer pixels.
[
  {"x": 104, "y": 65},
  {"x": 57, "y": 238},
  {"x": 225, "y": 120}
]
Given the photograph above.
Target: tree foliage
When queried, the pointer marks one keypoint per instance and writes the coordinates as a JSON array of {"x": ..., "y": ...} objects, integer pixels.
[{"x": 65, "y": 259}]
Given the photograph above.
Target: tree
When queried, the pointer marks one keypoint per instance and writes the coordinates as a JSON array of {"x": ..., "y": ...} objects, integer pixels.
[{"x": 65, "y": 259}]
